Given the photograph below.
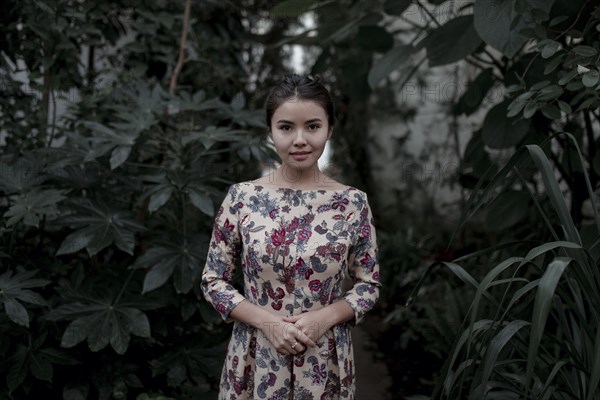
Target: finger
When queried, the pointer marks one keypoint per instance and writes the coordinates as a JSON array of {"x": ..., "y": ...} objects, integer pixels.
[
  {"x": 292, "y": 318},
  {"x": 282, "y": 351},
  {"x": 297, "y": 348},
  {"x": 306, "y": 340}
]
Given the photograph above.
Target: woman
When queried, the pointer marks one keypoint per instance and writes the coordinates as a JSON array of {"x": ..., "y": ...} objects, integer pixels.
[{"x": 298, "y": 233}]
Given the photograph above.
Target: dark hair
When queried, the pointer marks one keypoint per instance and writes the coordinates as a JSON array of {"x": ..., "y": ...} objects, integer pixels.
[{"x": 301, "y": 87}]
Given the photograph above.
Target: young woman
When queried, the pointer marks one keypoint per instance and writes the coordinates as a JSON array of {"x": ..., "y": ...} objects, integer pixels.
[{"x": 298, "y": 233}]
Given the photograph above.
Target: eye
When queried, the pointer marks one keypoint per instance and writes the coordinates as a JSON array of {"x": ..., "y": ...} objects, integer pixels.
[
  {"x": 284, "y": 127},
  {"x": 314, "y": 126}
]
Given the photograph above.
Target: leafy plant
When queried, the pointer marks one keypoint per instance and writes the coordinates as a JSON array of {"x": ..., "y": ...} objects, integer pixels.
[
  {"x": 109, "y": 175},
  {"x": 14, "y": 291},
  {"x": 532, "y": 329}
]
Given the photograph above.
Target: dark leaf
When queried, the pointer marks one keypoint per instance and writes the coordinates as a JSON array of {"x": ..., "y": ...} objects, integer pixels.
[
  {"x": 16, "y": 312},
  {"x": 373, "y": 37},
  {"x": 452, "y": 42},
  {"x": 388, "y": 63},
  {"x": 18, "y": 370},
  {"x": 508, "y": 209},
  {"x": 396, "y": 7},
  {"x": 476, "y": 92},
  {"x": 493, "y": 22},
  {"x": 500, "y": 131}
]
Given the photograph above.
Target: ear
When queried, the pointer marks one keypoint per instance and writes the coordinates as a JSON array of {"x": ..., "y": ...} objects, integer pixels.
[{"x": 330, "y": 133}]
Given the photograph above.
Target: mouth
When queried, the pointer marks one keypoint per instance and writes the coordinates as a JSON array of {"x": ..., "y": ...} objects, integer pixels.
[{"x": 300, "y": 153}]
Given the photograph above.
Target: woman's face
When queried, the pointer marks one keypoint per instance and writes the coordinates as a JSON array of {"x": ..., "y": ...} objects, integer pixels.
[{"x": 299, "y": 126}]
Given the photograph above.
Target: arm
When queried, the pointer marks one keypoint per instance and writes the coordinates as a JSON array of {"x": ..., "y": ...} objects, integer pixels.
[
  {"x": 363, "y": 265},
  {"x": 223, "y": 251}
]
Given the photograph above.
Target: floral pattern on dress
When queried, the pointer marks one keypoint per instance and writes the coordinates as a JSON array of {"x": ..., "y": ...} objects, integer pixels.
[{"x": 295, "y": 248}]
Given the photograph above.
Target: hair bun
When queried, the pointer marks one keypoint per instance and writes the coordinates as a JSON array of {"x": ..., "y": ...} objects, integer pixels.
[{"x": 292, "y": 79}]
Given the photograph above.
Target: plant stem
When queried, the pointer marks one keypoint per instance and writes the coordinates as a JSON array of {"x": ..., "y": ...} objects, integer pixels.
[
  {"x": 124, "y": 287},
  {"x": 421, "y": 6},
  {"x": 182, "y": 45}
]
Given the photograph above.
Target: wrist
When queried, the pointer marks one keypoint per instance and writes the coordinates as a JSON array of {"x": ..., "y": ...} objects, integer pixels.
[
  {"x": 338, "y": 312},
  {"x": 267, "y": 321},
  {"x": 329, "y": 316}
]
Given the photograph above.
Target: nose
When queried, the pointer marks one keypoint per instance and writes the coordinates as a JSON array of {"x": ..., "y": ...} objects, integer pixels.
[{"x": 299, "y": 139}]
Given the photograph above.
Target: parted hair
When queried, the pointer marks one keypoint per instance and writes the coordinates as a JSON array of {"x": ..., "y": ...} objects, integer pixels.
[{"x": 303, "y": 88}]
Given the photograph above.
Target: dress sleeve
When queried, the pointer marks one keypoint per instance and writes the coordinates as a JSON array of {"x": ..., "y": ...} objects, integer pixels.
[
  {"x": 363, "y": 265},
  {"x": 223, "y": 251}
]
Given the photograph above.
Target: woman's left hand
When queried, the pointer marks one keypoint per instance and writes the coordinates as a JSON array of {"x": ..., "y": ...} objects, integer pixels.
[{"x": 313, "y": 324}]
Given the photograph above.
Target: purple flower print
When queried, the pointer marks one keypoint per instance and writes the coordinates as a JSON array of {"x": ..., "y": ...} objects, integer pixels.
[
  {"x": 304, "y": 234},
  {"x": 315, "y": 285}
]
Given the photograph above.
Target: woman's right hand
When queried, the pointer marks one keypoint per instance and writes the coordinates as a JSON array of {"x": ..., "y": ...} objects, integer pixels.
[{"x": 283, "y": 335}]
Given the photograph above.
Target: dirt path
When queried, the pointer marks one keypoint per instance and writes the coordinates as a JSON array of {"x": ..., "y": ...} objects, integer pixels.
[{"x": 372, "y": 377}]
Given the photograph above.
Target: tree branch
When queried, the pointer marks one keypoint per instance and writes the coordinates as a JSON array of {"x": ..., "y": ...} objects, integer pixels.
[{"x": 182, "y": 45}]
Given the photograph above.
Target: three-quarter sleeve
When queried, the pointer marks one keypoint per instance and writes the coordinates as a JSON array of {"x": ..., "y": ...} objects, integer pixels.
[
  {"x": 223, "y": 252},
  {"x": 363, "y": 265}
]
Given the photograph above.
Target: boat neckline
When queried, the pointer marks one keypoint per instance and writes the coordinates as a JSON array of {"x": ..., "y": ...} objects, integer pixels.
[{"x": 343, "y": 188}]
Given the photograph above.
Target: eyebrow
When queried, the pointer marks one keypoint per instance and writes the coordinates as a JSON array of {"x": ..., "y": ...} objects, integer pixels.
[{"x": 284, "y": 121}]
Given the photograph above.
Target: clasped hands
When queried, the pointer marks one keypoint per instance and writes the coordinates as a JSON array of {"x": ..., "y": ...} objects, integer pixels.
[{"x": 296, "y": 332}]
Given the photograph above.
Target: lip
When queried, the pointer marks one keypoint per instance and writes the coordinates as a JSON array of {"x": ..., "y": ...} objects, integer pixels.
[
  {"x": 300, "y": 153},
  {"x": 300, "y": 156}
]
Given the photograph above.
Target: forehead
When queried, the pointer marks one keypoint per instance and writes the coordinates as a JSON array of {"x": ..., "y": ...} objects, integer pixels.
[{"x": 299, "y": 109}]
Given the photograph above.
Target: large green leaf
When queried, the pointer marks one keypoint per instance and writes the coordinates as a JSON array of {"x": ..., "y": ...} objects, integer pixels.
[
  {"x": 21, "y": 176},
  {"x": 103, "y": 318},
  {"x": 391, "y": 61},
  {"x": 13, "y": 291},
  {"x": 199, "y": 197},
  {"x": 476, "y": 91},
  {"x": 212, "y": 135},
  {"x": 508, "y": 209},
  {"x": 452, "y": 41},
  {"x": 33, "y": 205},
  {"x": 500, "y": 131},
  {"x": 118, "y": 139},
  {"x": 98, "y": 226},
  {"x": 178, "y": 258},
  {"x": 494, "y": 23}
]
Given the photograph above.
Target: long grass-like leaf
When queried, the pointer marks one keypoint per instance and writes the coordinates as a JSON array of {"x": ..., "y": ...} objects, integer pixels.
[
  {"x": 595, "y": 371},
  {"x": 541, "y": 309},
  {"x": 459, "y": 271},
  {"x": 475, "y": 202},
  {"x": 537, "y": 204},
  {"x": 495, "y": 248},
  {"x": 493, "y": 351},
  {"x": 477, "y": 326},
  {"x": 554, "y": 193},
  {"x": 487, "y": 281},
  {"x": 538, "y": 251},
  {"x": 588, "y": 184},
  {"x": 557, "y": 367},
  {"x": 521, "y": 292}
]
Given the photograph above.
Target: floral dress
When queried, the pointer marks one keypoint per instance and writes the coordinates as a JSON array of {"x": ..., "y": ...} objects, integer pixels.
[{"x": 295, "y": 247}]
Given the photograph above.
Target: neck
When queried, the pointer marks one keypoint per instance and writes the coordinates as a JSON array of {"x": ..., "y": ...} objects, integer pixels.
[{"x": 290, "y": 176}]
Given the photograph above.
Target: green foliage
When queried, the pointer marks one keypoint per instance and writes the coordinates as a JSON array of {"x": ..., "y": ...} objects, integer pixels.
[
  {"x": 543, "y": 57},
  {"x": 532, "y": 329},
  {"x": 14, "y": 291},
  {"x": 105, "y": 205}
]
